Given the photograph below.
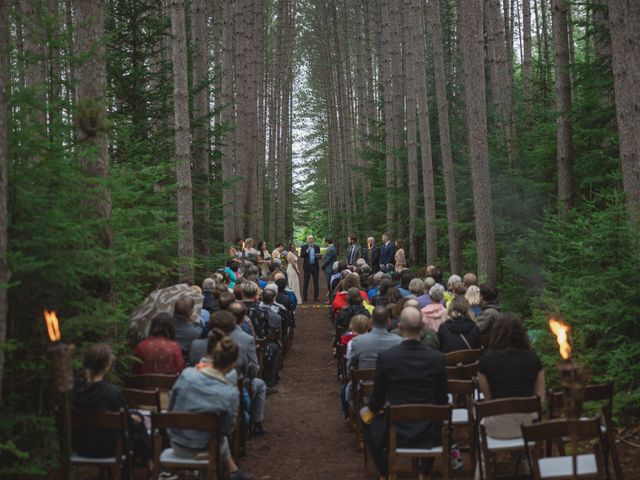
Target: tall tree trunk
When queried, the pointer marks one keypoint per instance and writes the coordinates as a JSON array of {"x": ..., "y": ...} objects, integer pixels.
[
  {"x": 181, "y": 131},
  {"x": 386, "y": 78},
  {"x": 564, "y": 152},
  {"x": 625, "y": 41},
  {"x": 261, "y": 85},
  {"x": 445, "y": 138},
  {"x": 201, "y": 126},
  {"x": 55, "y": 65},
  {"x": 426, "y": 153},
  {"x": 409, "y": 10},
  {"x": 472, "y": 52},
  {"x": 227, "y": 103},
  {"x": 91, "y": 117},
  {"x": 527, "y": 73},
  {"x": 4, "y": 217},
  {"x": 545, "y": 49}
]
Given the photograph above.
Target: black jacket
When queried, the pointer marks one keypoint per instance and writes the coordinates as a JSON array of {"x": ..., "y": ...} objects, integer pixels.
[
  {"x": 304, "y": 254},
  {"x": 451, "y": 332},
  {"x": 411, "y": 373},
  {"x": 374, "y": 259},
  {"x": 346, "y": 314}
]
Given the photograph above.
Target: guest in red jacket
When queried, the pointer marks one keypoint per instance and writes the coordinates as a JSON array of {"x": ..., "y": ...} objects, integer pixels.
[
  {"x": 159, "y": 353},
  {"x": 340, "y": 300}
]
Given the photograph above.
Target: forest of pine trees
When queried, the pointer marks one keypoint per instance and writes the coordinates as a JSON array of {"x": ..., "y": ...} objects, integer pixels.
[{"x": 139, "y": 138}]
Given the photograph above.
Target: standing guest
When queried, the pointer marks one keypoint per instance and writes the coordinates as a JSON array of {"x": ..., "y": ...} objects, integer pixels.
[
  {"x": 250, "y": 253},
  {"x": 434, "y": 314},
  {"x": 509, "y": 369},
  {"x": 159, "y": 353},
  {"x": 327, "y": 262},
  {"x": 310, "y": 253},
  {"x": 373, "y": 255},
  {"x": 264, "y": 258},
  {"x": 277, "y": 252},
  {"x": 387, "y": 253},
  {"x": 207, "y": 390},
  {"x": 490, "y": 308},
  {"x": 186, "y": 331},
  {"x": 424, "y": 299},
  {"x": 293, "y": 272},
  {"x": 236, "y": 249},
  {"x": 473, "y": 297},
  {"x": 354, "y": 252},
  {"x": 459, "y": 331},
  {"x": 92, "y": 394},
  {"x": 407, "y": 373},
  {"x": 400, "y": 259},
  {"x": 470, "y": 279}
]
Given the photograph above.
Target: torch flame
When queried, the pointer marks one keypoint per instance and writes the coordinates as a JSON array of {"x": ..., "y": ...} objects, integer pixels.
[
  {"x": 53, "y": 326},
  {"x": 561, "y": 330}
]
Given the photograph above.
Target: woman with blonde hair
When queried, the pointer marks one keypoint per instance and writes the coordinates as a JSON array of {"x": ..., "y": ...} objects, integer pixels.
[
  {"x": 473, "y": 297},
  {"x": 459, "y": 331},
  {"x": 401, "y": 260}
]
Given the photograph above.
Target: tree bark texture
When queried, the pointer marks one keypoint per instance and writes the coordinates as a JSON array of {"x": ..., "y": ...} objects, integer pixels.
[
  {"x": 182, "y": 141},
  {"x": 201, "y": 124},
  {"x": 527, "y": 72},
  {"x": 472, "y": 52},
  {"x": 624, "y": 17},
  {"x": 445, "y": 138},
  {"x": 227, "y": 103},
  {"x": 564, "y": 152}
]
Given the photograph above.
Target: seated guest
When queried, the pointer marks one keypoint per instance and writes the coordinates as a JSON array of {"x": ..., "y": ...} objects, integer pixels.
[
  {"x": 210, "y": 303},
  {"x": 92, "y": 393},
  {"x": 340, "y": 301},
  {"x": 186, "y": 331},
  {"x": 222, "y": 320},
  {"x": 459, "y": 331},
  {"x": 406, "y": 373},
  {"x": 358, "y": 325},
  {"x": 377, "y": 278},
  {"x": 364, "y": 271},
  {"x": 434, "y": 314},
  {"x": 248, "y": 366},
  {"x": 159, "y": 353},
  {"x": 416, "y": 287},
  {"x": 232, "y": 270},
  {"x": 334, "y": 279},
  {"x": 490, "y": 308},
  {"x": 509, "y": 369},
  {"x": 207, "y": 390},
  {"x": 365, "y": 348},
  {"x": 272, "y": 349},
  {"x": 470, "y": 279},
  {"x": 473, "y": 297},
  {"x": 354, "y": 307},
  {"x": 424, "y": 299},
  {"x": 380, "y": 298},
  {"x": 405, "y": 279},
  {"x": 451, "y": 284}
]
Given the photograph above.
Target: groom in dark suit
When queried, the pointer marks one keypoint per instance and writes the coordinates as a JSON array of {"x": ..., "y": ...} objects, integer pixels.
[
  {"x": 310, "y": 253},
  {"x": 387, "y": 252}
]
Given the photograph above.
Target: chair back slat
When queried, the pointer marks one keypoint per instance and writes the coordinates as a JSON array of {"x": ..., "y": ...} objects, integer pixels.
[
  {"x": 366, "y": 389},
  {"x": 460, "y": 387},
  {"x": 415, "y": 412},
  {"x": 204, "y": 422},
  {"x": 99, "y": 420},
  {"x": 162, "y": 382},
  {"x": 489, "y": 408},
  {"x": 137, "y": 398},
  {"x": 462, "y": 357},
  {"x": 362, "y": 374},
  {"x": 602, "y": 392},
  {"x": 462, "y": 372},
  {"x": 583, "y": 429}
]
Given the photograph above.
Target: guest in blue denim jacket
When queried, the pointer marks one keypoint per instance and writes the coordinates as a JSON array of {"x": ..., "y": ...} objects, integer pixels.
[{"x": 205, "y": 389}]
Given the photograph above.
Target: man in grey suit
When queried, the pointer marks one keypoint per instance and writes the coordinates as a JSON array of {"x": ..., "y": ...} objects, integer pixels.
[
  {"x": 354, "y": 252},
  {"x": 365, "y": 348},
  {"x": 247, "y": 365},
  {"x": 327, "y": 261}
]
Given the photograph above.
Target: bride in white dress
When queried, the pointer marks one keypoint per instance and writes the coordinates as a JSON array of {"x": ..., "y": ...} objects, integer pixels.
[{"x": 293, "y": 272}]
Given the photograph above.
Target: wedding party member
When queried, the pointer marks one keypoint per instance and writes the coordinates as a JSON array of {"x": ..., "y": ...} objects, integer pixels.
[
  {"x": 264, "y": 258},
  {"x": 310, "y": 253},
  {"x": 373, "y": 255},
  {"x": 327, "y": 261},
  {"x": 400, "y": 258},
  {"x": 293, "y": 272},
  {"x": 354, "y": 252},
  {"x": 387, "y": 252}
]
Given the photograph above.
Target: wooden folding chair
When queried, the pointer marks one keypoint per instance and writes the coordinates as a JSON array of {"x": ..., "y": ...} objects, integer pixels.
[
  {"x": 358, "y": 378},
  {"x": 462, "y": 357},
  {"x": 461, "y": 392},
  {"x": 581, "y": 466},
  {"x": 144, "y": 401},
  {"x": 462, "y": 372},
  {"x": 484, "y": 340},
  {"x": 149, "y": 381},
  {"x": 599, "y": 393},
  {"x": 165, "y": 458},
  {"x": 108, "y": 421},
  {"x": 366, "y": 390},
  {"x": 419, "y": 413},
  {"x": 490, "y": 446},
  {"x": 260, "y": 346},
  {"x": 341, "y": 351}
]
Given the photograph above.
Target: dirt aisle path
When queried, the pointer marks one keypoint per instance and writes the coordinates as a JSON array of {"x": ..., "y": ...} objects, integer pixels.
[{"x": 307, "y": 437}]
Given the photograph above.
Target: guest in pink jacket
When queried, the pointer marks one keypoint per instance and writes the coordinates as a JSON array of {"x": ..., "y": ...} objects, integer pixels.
[{"x": 434, "y": 314}]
